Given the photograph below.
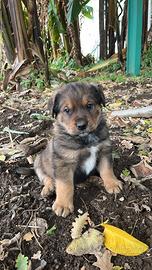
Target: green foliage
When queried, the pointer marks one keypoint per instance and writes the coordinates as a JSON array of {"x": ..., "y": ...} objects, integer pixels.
[
  {"x": 114, "y": 67},
  {"x": 87, "y": 11},
  {"x": 126, "y": 172},
  {"x": 1, "y": 77},
  {"x": 35, "y": 79},
  {"x": 39, "y": 83},
  {"x": 147, "y": 58},
  {"x": 54, "y": 23},
  {"x": 21, "y": 262},
  {"x": 63, "y": 62},
  {"x": 51, "y": 231},
  {"x": 74, "y": 9}
]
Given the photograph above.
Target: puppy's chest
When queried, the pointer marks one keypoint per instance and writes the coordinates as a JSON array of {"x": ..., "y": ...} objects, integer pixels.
[{"x": 89, "y": 163}]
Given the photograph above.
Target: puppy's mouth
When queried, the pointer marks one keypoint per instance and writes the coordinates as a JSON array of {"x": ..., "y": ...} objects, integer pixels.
[{"x": 83, "y": 133}]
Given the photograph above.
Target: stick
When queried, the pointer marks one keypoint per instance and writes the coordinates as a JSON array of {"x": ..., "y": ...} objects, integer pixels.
[{"x": 137, "y": 112}]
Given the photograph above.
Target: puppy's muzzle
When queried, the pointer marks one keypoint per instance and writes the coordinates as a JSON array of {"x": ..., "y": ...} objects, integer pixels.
[{"x": 81, "y": 124}]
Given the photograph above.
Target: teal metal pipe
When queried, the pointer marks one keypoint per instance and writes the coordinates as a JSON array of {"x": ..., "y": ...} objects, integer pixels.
[{"x": 135, "y": 8}]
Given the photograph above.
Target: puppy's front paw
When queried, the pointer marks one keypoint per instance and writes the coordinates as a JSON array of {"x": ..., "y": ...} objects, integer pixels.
[
  {"x": 62, "y": 209},
  {"x": 113, "y": 186},
  {"x": 48, "y": 187},
  {"x": 46, "y": 191}
]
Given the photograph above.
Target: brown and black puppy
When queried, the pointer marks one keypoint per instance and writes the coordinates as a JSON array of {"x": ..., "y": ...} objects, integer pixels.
[{"x": 80, "y": 144}]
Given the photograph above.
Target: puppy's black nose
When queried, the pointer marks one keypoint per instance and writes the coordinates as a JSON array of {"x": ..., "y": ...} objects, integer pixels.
[{"x": 81, "y": 124}]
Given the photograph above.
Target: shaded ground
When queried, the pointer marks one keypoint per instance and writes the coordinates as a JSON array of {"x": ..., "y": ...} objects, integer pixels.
[{"x": 20, "y": 199}]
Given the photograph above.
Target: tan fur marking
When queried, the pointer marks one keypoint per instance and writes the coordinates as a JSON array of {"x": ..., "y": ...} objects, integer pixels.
[
  {"x": 111, "y": 183},
  {"x": 48, "y": 186},
  {"x": 63, "y": 204}
]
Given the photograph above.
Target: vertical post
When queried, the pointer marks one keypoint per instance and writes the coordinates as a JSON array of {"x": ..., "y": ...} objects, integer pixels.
[{"x": 134, "y": 36}]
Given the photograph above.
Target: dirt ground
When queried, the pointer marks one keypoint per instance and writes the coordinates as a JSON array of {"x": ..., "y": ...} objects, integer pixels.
[{"x": 20, "y": 199}]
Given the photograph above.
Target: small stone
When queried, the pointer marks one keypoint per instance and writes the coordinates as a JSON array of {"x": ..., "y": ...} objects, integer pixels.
[
  {"x": 127, "y": 266},
  {"x": 80, "y": 211},
  {"x": 121, "y": 199}
]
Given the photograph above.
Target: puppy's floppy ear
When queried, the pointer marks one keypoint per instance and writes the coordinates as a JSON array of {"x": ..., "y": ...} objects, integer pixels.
[
  {"x": 53, "y": 104},
  {"x": 100, "y": 97}
]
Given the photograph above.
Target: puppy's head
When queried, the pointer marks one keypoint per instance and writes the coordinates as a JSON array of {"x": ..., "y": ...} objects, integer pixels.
[{"x": 77, "y": 107}]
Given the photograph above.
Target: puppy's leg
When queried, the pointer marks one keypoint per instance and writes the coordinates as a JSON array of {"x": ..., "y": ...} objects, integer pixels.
[
  {"x": 63, "y": 204},
  {"x": 44, "y": 178},
  {"x": 111, "y": 183}
]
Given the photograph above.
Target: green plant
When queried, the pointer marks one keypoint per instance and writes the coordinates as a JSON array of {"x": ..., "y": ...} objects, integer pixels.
[
  {"x": 1, "y": 77},
  {"x": 35, "y": 79},
  {"x": 51, "y": 231},
  {"x": 39, "y": 83},
  {"x": 147, "y": 58},
  {"x": 26, "y": 83},
  {"x": 21, "y": 262},
  {"x": 63, "y": 62},
  {"x": 113, "y": 67},
  {"x": 126, "y": 172}
]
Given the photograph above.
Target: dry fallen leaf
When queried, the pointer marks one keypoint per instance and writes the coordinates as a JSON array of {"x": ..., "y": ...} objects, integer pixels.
[
  {"x": 28, "y": 236},
  {"x": 89, "y": 243},
  {"x": 127, "y": 144},
  {"x": 37, "y": 256},
  {"x": 38, "y": 226},
  {"x": 116, "y": 121},
  {"x": 78, "y": 225},
  {"x": 5, "y": 243},
  {"x": 135, "y": 139},
  {"x": 120, "y": 242},
  {"x": 141, "y": 170},
  {"x": 104, "y": 260}
]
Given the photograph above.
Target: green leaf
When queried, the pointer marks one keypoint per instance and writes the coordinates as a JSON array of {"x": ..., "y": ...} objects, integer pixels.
[
  {"x": 54, "y": 21},
  {"x": 51, "y": 231},
  {"x": 126, "y": 172},
  {"x": 149, "y": 130},
  {"x": 74, "y": 9},
  {"x": 39, "y": 116},
  {"x": 87, "y": 11},
  {"x": 21, "y": 262}
]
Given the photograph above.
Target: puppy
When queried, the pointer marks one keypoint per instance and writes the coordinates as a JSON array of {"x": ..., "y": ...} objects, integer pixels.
[{"x": 80, "y": 144}]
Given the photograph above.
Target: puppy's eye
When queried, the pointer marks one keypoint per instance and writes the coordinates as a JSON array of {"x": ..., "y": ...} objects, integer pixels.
[
  {"x": 67, "y": 110},
  {"x": 90, "y": 106}
]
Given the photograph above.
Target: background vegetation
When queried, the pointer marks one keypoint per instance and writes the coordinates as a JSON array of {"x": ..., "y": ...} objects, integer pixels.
[{"x": 40, "y": 39}]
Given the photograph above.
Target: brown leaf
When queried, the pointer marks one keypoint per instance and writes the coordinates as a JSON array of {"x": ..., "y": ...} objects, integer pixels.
[
  {"x": 136, "y": 139},
  {"x": 104, "y": 260},
  {"x": 37, "y": 256},
  {"x": 28, "y": 236},
  {"x": 38, "y": 226},
  {"x": 142, "y": 169},
  {"x": 117, "y": 121},
  {"x": 127, "y": 144}
]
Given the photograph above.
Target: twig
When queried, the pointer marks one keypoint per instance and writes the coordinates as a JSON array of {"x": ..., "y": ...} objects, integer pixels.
[
  {"x": 10, "y": 108},
  {"x": 137, "y": 112}
]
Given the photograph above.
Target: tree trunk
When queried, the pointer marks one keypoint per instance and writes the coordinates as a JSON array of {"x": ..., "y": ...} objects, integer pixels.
[
  {"x": 118, "y": 37},
  {"x": 102, "y": 29},
  {"x": 19, "y": 30},
  {"x": 62, "y": 16},
  {"x": 35, "y": 27},
  {"x": 7, "y": 36},
  {"x": 124, "y": 24},
  {"x": 106, "y": 26},
  {"x": 145, "y": 21},
  {"x": 75, "y": 39},
  {"x": 112, "y": 24}
]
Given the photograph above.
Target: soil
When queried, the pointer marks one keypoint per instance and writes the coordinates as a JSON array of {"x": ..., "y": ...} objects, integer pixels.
[{"x": 20, "y": 199}]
